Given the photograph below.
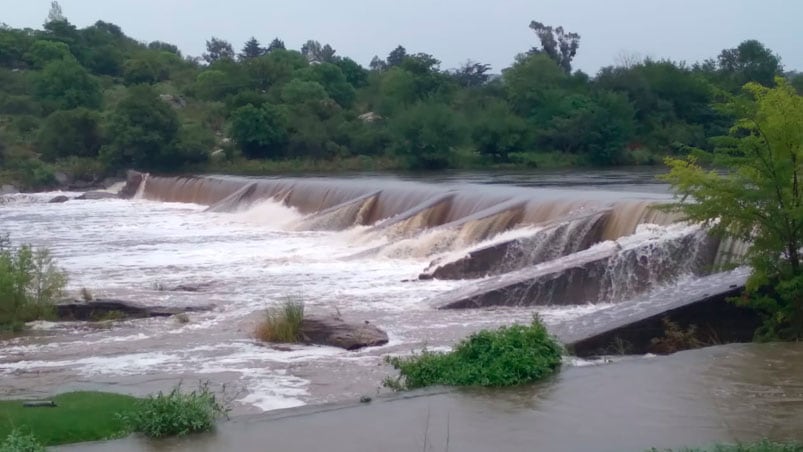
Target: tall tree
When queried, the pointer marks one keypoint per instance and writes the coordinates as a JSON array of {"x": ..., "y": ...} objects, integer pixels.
[
  {"x": 396, "y": 56},
  {"x": 55, "y": 14},
  {"x": 751, "y": 61},
  {"x": 472, "y": 74},
  {"x": 314, "y": 52},
  {"x": 758, "y": 200},
  {"x": 557, "y": 44},
  {"x": 218, "y": 49},
  {"x": 276, "y": 44},
  {"x": 251, "y": 50}
]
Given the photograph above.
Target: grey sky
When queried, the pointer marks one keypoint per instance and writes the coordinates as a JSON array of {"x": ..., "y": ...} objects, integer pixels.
[{"x": 452, "y": 30}]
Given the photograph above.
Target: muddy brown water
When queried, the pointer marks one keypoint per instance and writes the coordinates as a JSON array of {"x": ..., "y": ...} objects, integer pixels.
[{"x": 726, "y": 393}]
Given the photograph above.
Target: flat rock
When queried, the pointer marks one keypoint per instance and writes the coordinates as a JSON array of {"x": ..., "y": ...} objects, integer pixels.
[
  {"x": 336, "y": 332},
  {"x": 59, "y": 199},
  {"x": 100, "y": 309},
  {"x": 94, "y": 195}
]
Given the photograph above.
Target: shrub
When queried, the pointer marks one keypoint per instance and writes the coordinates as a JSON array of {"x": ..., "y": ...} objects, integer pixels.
[
  {"x": 175, "y": 413},
  {"x": 282, "y": 323},
  {"x": 761, "y": 446},
  {"x": 505, "y": 357},
  {"x": 16, "y": 441},
  {"x": 30, "y": 283}
]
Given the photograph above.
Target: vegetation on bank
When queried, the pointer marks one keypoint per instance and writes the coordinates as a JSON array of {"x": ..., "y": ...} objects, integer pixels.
[
  {"x": 77, "y": 417},
  {"x": 282, "y": 323},
  {"x": 757, "y": 198},
  {"x": 90, "y": 102},
  {"x": 92, "y": 416},
  {"x": 507, "y": 356},
  {"x": 30, "y": 284},
  {"x": 760, "y": 446}
]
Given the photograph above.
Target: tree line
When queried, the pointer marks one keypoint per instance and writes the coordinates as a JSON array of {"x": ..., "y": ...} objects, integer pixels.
[{"x": 90, "y": 102}]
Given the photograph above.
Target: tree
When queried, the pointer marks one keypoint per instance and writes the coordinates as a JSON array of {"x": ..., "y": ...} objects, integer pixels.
[
  {"x": 261, "y": 132},
  {"x": 377, "y": 64},
  {"x": 396, "y": 56},
  {"x": 531, "y": 83},
  {"x": 68, "y": 133},
  {"x": 55, "y": 14},
  {"x": 315, "y": 53},
  {"x": 139, "y": 70},
  {"x": 758, "y": 200},
  {"x": 498, "y": 132},
  {"x": 251, "y": 50},
  {"x": 276, "y": 44},
  {"x": 42, "y": 52},
  {"x": 218, "y": 49},
  {"x": 355, "y": 74},
  {"x": 332, "y": 79},
  {"x": 750, "y": 62},
  {"x": 165, "y": 47},
  {"x": 427, "y": 135},
  {"x": 557, "y": 44},
  {"x": 141, "y": 130},
  {"x": 64, "y": 84},
  {"x": 472, "y": 74}
]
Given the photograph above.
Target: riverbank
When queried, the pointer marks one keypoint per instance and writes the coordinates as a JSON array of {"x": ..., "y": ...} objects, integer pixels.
[{"x": 737, "y": 392}]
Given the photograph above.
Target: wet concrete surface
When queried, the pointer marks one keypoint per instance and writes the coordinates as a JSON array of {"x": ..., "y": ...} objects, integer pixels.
[{"x": 694, "y": 398}]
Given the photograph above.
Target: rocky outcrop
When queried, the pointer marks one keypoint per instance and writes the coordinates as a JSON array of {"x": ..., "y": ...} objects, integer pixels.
[
  {"x": 59, "y": 199},
  {"x": 102, "y": 309},
  {"x": 132, "y": 182},
  {"x": 546, "y": 243},
  {"x": 336, "y": 332},
  {"x": 608, "y": 272},
  {"x": 95, "y": 195}
]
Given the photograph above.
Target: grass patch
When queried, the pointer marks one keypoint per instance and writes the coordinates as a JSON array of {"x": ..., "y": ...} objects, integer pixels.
[
  {"x": 175, "y": 413},
  {"x": 282, "y": 323},
  {"x": 77, "y": 417},
  {"x": 761, "y": 446},
  {"x": 504, "y": 357}
]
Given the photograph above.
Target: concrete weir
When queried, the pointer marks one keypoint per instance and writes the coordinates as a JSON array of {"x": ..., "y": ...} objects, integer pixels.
[{"x": 631, "y": 327}]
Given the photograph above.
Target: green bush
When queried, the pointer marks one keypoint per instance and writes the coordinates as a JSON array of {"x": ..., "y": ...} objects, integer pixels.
[
  {"x": 30, "y": 283},
  {"x": 17, "y": 441},
  {"x": 505, "y": 357},
  {"x": 175, "y": 413},
  {"x": 283, "y": 323}
]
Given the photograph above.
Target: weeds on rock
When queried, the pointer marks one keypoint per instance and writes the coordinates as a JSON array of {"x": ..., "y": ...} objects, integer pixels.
[
  {"x": 675, "y": 338},
  {"x": 282, "y": 323}
]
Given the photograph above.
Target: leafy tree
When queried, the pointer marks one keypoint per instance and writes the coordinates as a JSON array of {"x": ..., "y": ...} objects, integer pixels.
[
  {"x": 355, "y": 74},
  {"x": 141, "y": 132},
  {"x": 65, "y": 84},
  {"x": 261, "y": 132},
  {"x": 334, "y": 82},
  {"x": 218, "y": 49},
  {"x": 757, "y": 200},
  {"x": 164, "y": 47},
  {"x": 315, "y": 53},
  {"x": 13, "y": 45},
  {"x": 378, "y": 64},
  {"x": 472, "y": 74},
  {"x": 42, "y": 52},
  {"x": 396, "y": 57},
  {"x": 139, "y": 70},
  {"x": 297, "y": 92},
  {"x": 530, "y": 83},
  {"x": 276, "y": 44},
  {"x": 498, "y": 132},
  {"x": 70, "y": 133},
  {"x": 749, "y": 62},
  {"x": 251, "y": 49},
  {"x": 427, "y": 135},
  {"x": 559, "y": 45},
  {"x": 55, "y": 14}
]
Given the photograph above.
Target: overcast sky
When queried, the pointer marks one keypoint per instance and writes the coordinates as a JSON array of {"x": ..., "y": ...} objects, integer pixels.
[{"x": 452, "y": 30}]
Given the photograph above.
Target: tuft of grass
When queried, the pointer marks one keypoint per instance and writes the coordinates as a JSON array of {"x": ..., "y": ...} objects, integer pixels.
[
  {"x": 675, "y": 338},
  {"x": 77, "y": 417},
  {"x": 282, "y": 323},
  {"x": 504, "y": 357},
  {"x": 761, "y": 446},
  {"x": 176, "y": 413},
  {"x": 17, "y": 441}
]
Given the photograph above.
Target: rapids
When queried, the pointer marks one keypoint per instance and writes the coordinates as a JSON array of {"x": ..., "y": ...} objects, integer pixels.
[{"x": 351, "y": 246}]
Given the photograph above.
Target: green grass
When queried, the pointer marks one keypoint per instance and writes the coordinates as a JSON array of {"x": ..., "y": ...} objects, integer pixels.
[
  {"x": 504, "y": 357},
  {"x": 761, "y": 446},
  {"x": 282, "y": 323},
  {"x": 78, "y": 416},
  {"x": 19, "y": 441}
]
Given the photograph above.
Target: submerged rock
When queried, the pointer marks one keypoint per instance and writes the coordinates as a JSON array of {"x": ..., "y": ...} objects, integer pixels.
[
  {"x": 101, "y": 309},
  {"x": 94, "y": 195},
  {"x": 336, "y": 332}
]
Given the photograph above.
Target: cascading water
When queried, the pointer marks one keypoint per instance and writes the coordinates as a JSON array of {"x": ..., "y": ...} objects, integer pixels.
[{"x": 351, "y": 246}]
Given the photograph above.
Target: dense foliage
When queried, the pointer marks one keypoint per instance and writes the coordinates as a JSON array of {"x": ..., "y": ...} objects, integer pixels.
[
  {"x": 30, "y": 283},
  {"x": 18, "y": 441},
  {"x": 91, "y": 102},
  {"x": 175, "y": 413},
  {"x": 508, "y": 356},
  {"x": 760, "y": 446},
  {"x": 758, "y": 199}
]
